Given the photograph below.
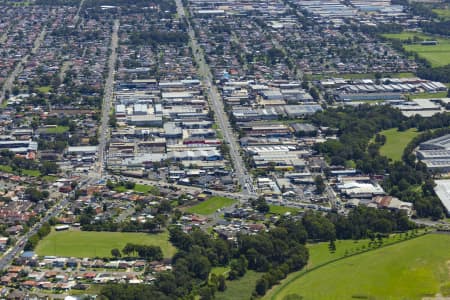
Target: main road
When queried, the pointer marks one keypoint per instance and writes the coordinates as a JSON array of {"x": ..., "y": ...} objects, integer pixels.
[
  {"x": 107, "y": 102},
  {"x": 8, "y": 84},
  {"x": 216, "y": 104},
  {"x": 8, "y": 257}
]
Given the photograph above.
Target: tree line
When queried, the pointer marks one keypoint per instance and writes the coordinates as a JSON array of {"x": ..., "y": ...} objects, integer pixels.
[{"x": 35, "y": 238}]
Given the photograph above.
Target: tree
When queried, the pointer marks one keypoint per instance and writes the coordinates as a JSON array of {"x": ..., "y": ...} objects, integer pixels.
[
  {"x": 116, "y": 253},
  {"x": 314, "y": 93},
  {"x": 261, "y": 286},
  {"x": 221, "y": 283},
  {"x": 48, "y": 167},
  {"x": 332, "y": 246},
  {"x": 320, "y": 184}
]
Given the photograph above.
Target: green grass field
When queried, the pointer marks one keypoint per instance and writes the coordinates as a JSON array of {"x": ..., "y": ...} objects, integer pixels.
[
  {"x": 220, "y": 270},
  {"x": 6, "y": 169},
  {"x": 281, "y": 210},
  {"x": 408, "y": 270},
  {"x": 438, "y": 55},
  {"x": 396, "y": 142},
  {"x": 49, "y": 178},
  {"x": 211, "y": 205},
  {"x": 240, "y": 289},
  {"x": 32, "y": 173},
  {"x": 44, "y": 89},
  {"x": 429, "y": 95},
  {"x": 57, "y": 129},
  {"x": 443, "y": 13},
  {"x": 405, "y": 35},
  {"x": 141, "y": 188},
  {"x": 91, "y": 244}
]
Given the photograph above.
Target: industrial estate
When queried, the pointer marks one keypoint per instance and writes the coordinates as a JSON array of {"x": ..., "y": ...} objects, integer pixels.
[{"x": 239, "y": 149}]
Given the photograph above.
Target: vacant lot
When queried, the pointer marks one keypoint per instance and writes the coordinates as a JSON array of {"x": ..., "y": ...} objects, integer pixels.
[
  {"x": 141, "y": 188},
  {"x": 211, "y": 205},
  {"x": 408, "y": 270},
  {"x": 396, "y": 141},
  {"x": 91, "y": 244},
  {"x": 281, "y": 210},
  {"x": 240, "y": 289},
  {"x": 438, "y": 55}
]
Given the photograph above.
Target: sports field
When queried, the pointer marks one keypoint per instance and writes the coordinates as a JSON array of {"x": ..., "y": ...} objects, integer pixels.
[
  {"x": 57, "y": 129},
  {"x": 438, "y": 55},
  {"x": 396, "y": 141},
  {"x": 75, "y": 243},
  {"x": 211, "y": 205},
  {"x": 408, "y": 270}
]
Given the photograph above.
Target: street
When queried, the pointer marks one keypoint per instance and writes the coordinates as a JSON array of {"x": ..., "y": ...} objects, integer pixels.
[
  {"x": 216, "y": 105},
  {"x": 107, "y": 102}
]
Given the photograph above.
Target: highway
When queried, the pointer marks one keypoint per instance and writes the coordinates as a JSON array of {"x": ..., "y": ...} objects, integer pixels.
[
  {"x": 216, "y": 105},
  {"x": 107, "y": 102}
]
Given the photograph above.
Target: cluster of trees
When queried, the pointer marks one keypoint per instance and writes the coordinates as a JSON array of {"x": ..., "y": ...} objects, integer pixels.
[
  {"x": 277, "y": 252},
  {"x": 441, "y": 74},
  {"x": 34, "y": 239},
  {"x": 58, "y": 2},
  {"x": 35, "y": 195},
  {"x": 147, "y": 252},
  {"x": 363, "y": 222},
  {"x": 154, "y": 225},
  {"x": 18, "y": 164},
  {"x": 408, "y": 180},
  {"x": 88, "y": 222},
  {"x": 421, "y": 9},
  {"x": 439, "y": 28},
  {"x": 355, "y": 127},
  {"x": 155, "y": 37}
]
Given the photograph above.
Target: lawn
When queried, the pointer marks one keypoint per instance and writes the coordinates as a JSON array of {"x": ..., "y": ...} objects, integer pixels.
[
  {"x": 49, "y": 178},
  {"x": 91, "y": 244},
  {"x": 57, "y": 129},
  {"x": 211, "y": 205},
  {"x": 141, "y": 188},
  {"x": 405, "y": 35},
  {"x": 438, "y": 55},
  {"x": 6, "y": 169},
  {"x": 44, "y": 89},
  {"x": 240, "y": 289},
  {"x": 443, "y": 13},
  {"x": 429, "y": 95},
  {"x": 32, "y": 173},
  {"x": 408, "y": 270},
  {"x": 220, "y": 270},
  {"x": 281, "y": 210},
  {"x": 396, "y": 141}
]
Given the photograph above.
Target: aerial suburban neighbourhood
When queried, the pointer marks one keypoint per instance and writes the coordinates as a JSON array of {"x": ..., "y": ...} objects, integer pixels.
[{"x": 239, "y": 149}]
